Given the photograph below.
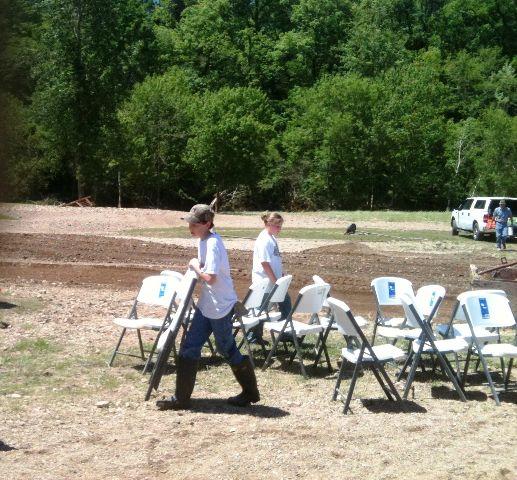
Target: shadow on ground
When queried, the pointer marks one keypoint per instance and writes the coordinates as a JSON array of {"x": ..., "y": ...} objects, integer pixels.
[{"x": 217, "y": 406}]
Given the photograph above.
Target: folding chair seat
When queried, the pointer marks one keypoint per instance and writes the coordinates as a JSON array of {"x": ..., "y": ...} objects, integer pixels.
[
  {"x": 157, "y": 291},
  {"x": 458, "y": 326},
  {"x": 276, "y": 295},
  {"x": 427, "y": 344},
  {"x": 387, "y": 292},
  {"x": 309, "y": 301},
  {"x": 363, "y": 355},
  {"x": 492, "y": 311},
  {"x": 427, "y": 301}
]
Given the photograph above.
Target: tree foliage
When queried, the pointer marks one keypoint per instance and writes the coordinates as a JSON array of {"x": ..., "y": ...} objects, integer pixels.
[{"x": 297, "y": 103}]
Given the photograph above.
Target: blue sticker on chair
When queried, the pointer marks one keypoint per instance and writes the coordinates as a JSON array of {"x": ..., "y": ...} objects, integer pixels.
[
  {"x": 483, "y": 306},
  {"x": 391, "y": 289},
  {"x": 162, "y": 290},
  {"x": 433, "y": 299}
]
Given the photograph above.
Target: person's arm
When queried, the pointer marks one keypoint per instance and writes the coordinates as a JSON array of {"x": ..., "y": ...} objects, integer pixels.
[
  {"x": 209, "y": 278},
  {"x": 269, "y": 271}
]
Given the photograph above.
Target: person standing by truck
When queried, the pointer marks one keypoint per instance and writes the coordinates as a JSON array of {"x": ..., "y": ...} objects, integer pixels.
[{"x": 501, "y": 215}]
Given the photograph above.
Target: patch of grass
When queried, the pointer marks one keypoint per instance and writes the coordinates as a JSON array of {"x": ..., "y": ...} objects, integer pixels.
[
  {"x": 365, "y": 215},
  {"x": 371, "y": 234},
  {"x": 6, "y": 217}
]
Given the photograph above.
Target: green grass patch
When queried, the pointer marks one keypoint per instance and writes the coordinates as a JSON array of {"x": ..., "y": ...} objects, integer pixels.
[
  {"x": 371, "y": 234},
  {"x": 6, "y": 217},
  {"x": 367, "y": 215}
]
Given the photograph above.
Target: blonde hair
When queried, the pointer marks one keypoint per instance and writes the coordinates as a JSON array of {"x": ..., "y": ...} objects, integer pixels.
[{"x": 272, "y": 217}]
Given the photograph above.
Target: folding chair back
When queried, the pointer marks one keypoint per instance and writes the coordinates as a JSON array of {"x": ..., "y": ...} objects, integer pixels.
[
  {"x": 280, "y": 289},
  {"x": 183, "y": 288},
  {"x": 426, "y": 298},
  {"x": 388, "y": 290},
  {"x": 255, "y": 296},
  {"x": 414, "y": 317},
  {"x": 311, "y": 298},
  {"x": 319, "y": 281},
  {"x": 340, "y": 311},
  {"x": 172, "y": 273},
  {"x": 488, "y": 310},
  {"x": 459, "y": 314},
  {"x": 157, "y": 290}
]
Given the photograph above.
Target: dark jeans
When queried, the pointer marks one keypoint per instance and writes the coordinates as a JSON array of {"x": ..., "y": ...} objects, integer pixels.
[{"x": 200, "y": 329}]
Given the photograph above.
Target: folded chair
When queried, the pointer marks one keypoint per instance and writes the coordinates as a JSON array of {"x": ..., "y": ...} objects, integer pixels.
[
  {"x": 166, "y": 343},
  {"x": 387, "y": 292},
  {"x": 490, "y": 311},
  {"x": 156, "y": 291},
  {"x": 428, "y": 344},
  {"x": 309, "y": 301},
  {"x": 364, "y": 355}
]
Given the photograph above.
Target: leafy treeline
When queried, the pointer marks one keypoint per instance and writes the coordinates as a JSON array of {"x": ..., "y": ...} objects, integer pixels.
[{"x": 294, "y": 104}]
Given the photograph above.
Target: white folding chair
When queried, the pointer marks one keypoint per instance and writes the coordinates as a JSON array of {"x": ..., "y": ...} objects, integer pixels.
[
  {"x": 172, "y": 273},
  {"x": 276, "y": 295},
  {"x": 253, "y": 302},
  {"x": 427, "y": 301},
  {"x": 157, "y": 291},
  {"x": 458, "y": 326},
  {"x": 364, "y": 355},
  {"x": 166, "y": 343},
  {"x": 491, "y": 311},
  {"x": 326, "y": 320},
  {"x": 309, "y": 301},
  {"x": 387, "y": 292},
  {"x": 427, "y": 344}
]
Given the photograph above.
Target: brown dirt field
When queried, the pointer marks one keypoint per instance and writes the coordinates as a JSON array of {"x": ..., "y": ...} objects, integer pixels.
[{"x": 69, "y": 272}]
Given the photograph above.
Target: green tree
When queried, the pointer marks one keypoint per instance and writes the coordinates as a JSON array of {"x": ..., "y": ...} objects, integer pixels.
[
  {"x": 230, "y": 137},
  {"x": 91, "y": 53},
  {"x": 156, "y": 122}
]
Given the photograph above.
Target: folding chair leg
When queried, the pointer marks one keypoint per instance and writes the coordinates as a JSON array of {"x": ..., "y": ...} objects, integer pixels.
[
  {"x": 351, "y": 388},
  {"x": 489, "y": 378},
  {"x": 508, "y": 373},
  {"x": 320, "y": 349},
  {"x": 339, "y": 379},
  {"x": 323, "y": 347},
  {"x": 117, "y": 347},
  {"x": 390, "y": 383},
  {"x": 151, "y": 353},
  {"x": 452, "y": 377},
  {"x": 374, "y": 333},
  {"x": 276, "y": 340},
  {"x": 406, "y": 364},
  {"x": 299, "y": 353},
  {"x": 140, "y": 344},
  {"x": 466, "y": 368},
  {"x": 381, "y": 383},
  {"x": 411, "y": 375}
]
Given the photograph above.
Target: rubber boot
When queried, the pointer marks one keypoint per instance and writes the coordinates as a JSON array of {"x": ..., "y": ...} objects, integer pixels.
[
  {"x": 185, "y": 380},
  {"x": 245, "y": 375}
]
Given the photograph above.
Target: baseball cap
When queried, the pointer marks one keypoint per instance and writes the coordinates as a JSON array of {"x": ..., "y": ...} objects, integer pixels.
[
  {"x": 502, "y": 202},
  {"x": 200, "y": 213}
]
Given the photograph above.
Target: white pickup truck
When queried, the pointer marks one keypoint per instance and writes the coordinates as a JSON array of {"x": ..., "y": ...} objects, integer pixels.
[{"x": 475, "y": 215}]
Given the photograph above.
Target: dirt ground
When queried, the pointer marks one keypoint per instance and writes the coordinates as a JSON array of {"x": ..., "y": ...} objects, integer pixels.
[{"x": 70, "y": 270}]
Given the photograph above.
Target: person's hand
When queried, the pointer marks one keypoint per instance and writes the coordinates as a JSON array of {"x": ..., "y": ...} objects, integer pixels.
[{"x": 194, "y": 264}]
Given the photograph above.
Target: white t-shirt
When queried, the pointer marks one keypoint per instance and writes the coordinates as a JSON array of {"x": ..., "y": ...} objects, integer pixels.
[
  {"x": 216, "y": 300},
  {"x": 266, "y": 250}
]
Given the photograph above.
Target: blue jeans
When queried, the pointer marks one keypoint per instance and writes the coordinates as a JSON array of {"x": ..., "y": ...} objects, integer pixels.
[
  {"x": 501, "y": 232},
  {"x": 200, "y": 329}
]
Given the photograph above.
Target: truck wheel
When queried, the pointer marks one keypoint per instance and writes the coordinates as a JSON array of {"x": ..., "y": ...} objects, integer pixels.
[
  {"x": 476, "y": 234},
  {"x": 454, "y": 227}
]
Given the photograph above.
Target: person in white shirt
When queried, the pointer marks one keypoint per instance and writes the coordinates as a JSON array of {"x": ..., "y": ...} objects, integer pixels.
[
  {"x": 267, "y": 263},
  {"x": 214, "y": 313}
]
